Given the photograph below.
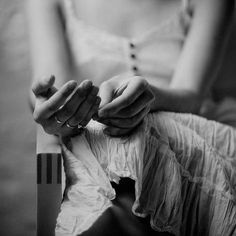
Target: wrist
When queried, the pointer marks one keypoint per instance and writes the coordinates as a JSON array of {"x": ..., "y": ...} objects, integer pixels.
[{"x": 176, "y": 100}]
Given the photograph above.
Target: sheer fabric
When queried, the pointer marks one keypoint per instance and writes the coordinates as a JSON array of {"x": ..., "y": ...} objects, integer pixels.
[{"x": 184, "y": 167}]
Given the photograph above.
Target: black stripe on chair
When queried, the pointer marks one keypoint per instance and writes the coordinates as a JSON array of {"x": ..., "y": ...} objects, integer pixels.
[
  {"x": 39, "y": 169},
  {"x": 49, "y": 168}
]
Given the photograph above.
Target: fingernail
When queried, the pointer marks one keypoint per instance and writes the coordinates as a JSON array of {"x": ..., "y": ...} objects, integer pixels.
[
  {"x": 52, "y": 77},
  {"x": 49, "y": 80},
  {"x": 87, "y": 84},
  {"x": 72, "y": 85},
  {"x": 102, "y": 113}
]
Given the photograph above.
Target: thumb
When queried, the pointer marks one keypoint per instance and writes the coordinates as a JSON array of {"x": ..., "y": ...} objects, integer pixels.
[
  {"x": 41, "y": 87},
  {"x": 106, "y": 92}
]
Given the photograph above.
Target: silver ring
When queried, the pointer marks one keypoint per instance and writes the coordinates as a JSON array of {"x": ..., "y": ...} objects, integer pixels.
[
  {"x": 57, "y": 120},
  {"x": 73, "y": 127},
  {"x": 79, "y": 126}
]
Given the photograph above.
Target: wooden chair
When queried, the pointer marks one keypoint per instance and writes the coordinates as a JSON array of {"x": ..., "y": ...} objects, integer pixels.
[{"x": 49, "y": 182}]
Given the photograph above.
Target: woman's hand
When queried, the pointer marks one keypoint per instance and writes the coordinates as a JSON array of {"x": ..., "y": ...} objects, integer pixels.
[
  {"x": 125, "y": 101},
  {"x": 62, "y": 112}
]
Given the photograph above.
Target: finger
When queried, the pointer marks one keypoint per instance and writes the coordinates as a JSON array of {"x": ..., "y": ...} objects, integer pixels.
[
  {"x": 117, "y": 132},
  {"x": 106, "y": 93},
  {"x": 92, "y": 111},
  {"x": 134, "y": 88},
  {"x": 69, "y": 132},
  {"x": 52, "y": 127},
  {"x": 41, "y": 86},
  {"x": 130, "y": 122},
  {"x": 72, "y": 104},
  {"x": 50, "y": 106},
  {"x": 139, "y": 104},
  {"x": 84, "y": 108}
]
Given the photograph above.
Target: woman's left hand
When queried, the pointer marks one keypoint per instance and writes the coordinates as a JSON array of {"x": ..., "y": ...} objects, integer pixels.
[{"x": 125, "y": 101}]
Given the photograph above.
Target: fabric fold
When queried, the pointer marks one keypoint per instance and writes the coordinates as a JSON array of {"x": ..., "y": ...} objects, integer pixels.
[{"x": 184, "y": 172}]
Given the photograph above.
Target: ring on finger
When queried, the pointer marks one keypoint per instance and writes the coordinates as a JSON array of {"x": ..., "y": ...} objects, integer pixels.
[
  {"x": 73, "y": 126},
  {"x": 57, "y": 120},
  {"x": 80, "y": 126}
]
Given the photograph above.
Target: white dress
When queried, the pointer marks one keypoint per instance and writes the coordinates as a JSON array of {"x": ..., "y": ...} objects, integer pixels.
[{"x": 184, "y": 166}]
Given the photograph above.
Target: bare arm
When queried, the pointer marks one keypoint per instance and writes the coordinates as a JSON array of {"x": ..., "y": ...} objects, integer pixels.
[
  {"x": 49, "y": 52},
  {"x": 58, "y": 106},
  {"x": 192, "y": 79},
  {"x": 200, "y": 58}
]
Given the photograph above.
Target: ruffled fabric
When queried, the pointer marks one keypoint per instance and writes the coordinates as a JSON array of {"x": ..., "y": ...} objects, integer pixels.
[{"x": 184, "y": 169}]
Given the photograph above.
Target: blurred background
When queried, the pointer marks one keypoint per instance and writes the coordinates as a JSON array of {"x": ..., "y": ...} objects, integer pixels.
[{"x": 17, "y": 133}]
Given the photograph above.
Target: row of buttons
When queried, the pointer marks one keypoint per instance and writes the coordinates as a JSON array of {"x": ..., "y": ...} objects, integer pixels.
[{"x": 133, "y": 57}]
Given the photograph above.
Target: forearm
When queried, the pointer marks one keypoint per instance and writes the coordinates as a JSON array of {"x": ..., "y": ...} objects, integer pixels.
[
  {"x": 175, "y": 100},
  {"x": 48, "y": 47},
  {"x": 199, "y": 60}
]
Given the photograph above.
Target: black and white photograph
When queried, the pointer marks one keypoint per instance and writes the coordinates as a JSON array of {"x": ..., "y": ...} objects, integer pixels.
[{"x": 118, "y": 118}]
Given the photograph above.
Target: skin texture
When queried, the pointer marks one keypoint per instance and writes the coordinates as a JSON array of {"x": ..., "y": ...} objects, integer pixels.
[
  {"x": 191, "y": 81},
  {"x": 125, "y": 100},
  {"x": 61, "y": 111},
  {"x": 124, "y": 108}
]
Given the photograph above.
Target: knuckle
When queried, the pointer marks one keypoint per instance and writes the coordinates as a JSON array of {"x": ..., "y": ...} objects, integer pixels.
[
  {"x": 37, "y": 116},
  {"x": 49, "y": 129}
]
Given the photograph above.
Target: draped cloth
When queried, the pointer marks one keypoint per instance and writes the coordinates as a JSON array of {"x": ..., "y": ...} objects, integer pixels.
[{"x": 184, "y": 168}]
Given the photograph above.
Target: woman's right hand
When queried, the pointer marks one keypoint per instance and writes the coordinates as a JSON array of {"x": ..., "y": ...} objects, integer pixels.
[{"x": 62, "y": 111}]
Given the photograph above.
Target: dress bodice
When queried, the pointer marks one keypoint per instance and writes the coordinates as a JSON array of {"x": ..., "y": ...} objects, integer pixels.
[{"x": 100, "y": 55}]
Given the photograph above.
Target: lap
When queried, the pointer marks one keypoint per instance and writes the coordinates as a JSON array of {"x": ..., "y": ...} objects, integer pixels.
[
  {"x": 119, "y": 220},
  {"x": 185, "y": 158}
]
